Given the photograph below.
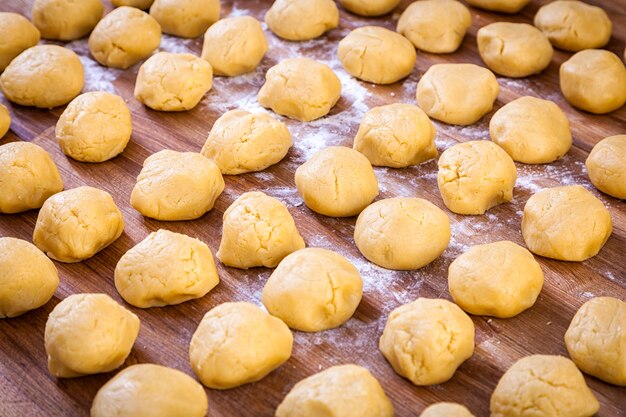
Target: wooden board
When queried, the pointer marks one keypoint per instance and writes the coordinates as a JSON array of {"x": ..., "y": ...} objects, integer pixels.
[{"x": 26, "y": 388}]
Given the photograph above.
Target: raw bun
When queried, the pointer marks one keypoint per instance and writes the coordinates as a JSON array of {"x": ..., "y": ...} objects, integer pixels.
[
  {"x": 17, "y": 34},
  {"x": 502, "y": 6},
  {"x": 446, "y": 410},
  {"x": 185, "y": 18},
  {"x": 606, "y": 167},
  {"x": 301, "y": 20},
  {"x": 369, "y": 7},
  {"x": 5, "y": 120},
  {"x": 66, "y": 20},
  {"x": 140, "y": 4}
]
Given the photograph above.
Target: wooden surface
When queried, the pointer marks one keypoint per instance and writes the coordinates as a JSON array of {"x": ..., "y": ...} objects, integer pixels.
[{"x": 26, "y": 388}]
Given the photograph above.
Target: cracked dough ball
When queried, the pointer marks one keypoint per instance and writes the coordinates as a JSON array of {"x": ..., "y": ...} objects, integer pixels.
[
  {"x": 258, "y": 230},
  {"x": 301, "y": 20},
  {"x": 5, "y": 121},
  {"x": 140, "y": 4},
  {"x": 242, "y": 142},
  {"x": 446, "y": 410},
  {"x": 176, "y": 186},
  {"x": 165, "y": 268},
  {"x": 402, "y": 233},
  {"x": 370, "y": 7},
  {"x": 28, "y": 279},
  {"x": 17, "y": 34},
  {"x": 377, "y": 55},
  {"x": 502, "y": 6},
  {"x": 148, "y": 390},
  {"x": 337, "y": 182},
  {"x": 313, "y": 289},
  {"x": 238, "y": 343},
  {"x": 94, "y": 127},
  {"x": 66, "y": 20},
  {"x": 606, "y": 167},
  {"x": 185, "y": 18},
  {"x": 543, "y": 386},
  {"x": 427, "y": 340},
  {"x": 300, "y": 89}
]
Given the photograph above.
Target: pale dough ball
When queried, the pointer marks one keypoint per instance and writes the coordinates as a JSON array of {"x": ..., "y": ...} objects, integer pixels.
[
  {"x": 301, "y": 20},
  {"x": 165, "y": 268},
  {"x": 370, "y": 7},
  {"x": 498, "y": 279},
  {"x": 503, "y": 6},
  {"x": 140, "y": 4},
  {"x": 606, "y": 166},
  {"x": 148, "y": 390},
  {"x": 66, "y": 20},
  {"x": 457, "y": 94},
  {"x": 176, "y": 186},
  {"x": 313, "y": 289},
  {"x": 594, "y": 80},
  {"x": 531, "y": 130},
  {"x": 28, "y": 279},
  {"x": 5, "y": 121},
  {"x": 377, "y": 55},
  {"x": 258, "y": 230},
  {"x": 94, "y": 127},
  {"x": 396, "y": 135},
  {"x": 543, "y": 386},
  {"x": 427, "y": 340},
  {"x": 17, "y": 34},
  {"x": 337, "y": 182},
  {"x": 185, "y": 18},
  {"x": 402, "y": 233},
  {"x": 238, "y": 343},
  {"x": 28, "y": 176},
  {"x": 43, "y": 76},
  {"x": 300, "y": 89},
  {"x": 241, "y": 142},
  {"x": 475, "y": 176},
  {"x": 339, "y": 391},
  {"x": 596, "y": 338},
  {"x": 446, "y": 410}
]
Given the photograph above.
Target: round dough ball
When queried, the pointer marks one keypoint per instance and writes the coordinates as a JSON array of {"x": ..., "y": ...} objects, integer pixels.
[
  {"x": 446, "y": 410},
  {"x": 337, "y": 182},
  {"x": 43, "y": 76},
  {"x": 66, "y": 20},
  {"x": 594, "y": 80},
  {"x": 17, "y": 34},
  {"x": 165, "y": 268},
  {"x": 5, "y": 120},
  {"x": 238, "y": 343},
  {"x": 502, "y": 6},
  {"x": 370, "y": 7},
  {"x": 140, "y": 4},
  {"x": 566, "y": 223},
  {"x": 427, "y": 340},
  {"x": 457, "y": 94},
  {"x": 339, "y": 391},
  {"x": 596, "y": 337},
  {"x": 176, "y": 186},
  {"x": 148, "y": 390},
  {"x": 377, "y": 55},
  {"x": 258, "y": 230},
  {"x": 313, "y": 289},
  {"x": 396, "y": 135},
  {"x": 173, "y": 82},
  {"x": 300, "y": 89},
  {"x": 531, "y": 130},
  {"x": 94, "y": 127},
  {"x": 606, "y": 167},
  {"x": 402, "y": 233},
  {"x": 475, "y": 176},
  {"x": 498, "y": 279},
  {"x": 241, "y": 142},
  {"x": 28, "y": 176},
  {"x": 185, "y": 18},
  {"x": 28, "y": 279},
  {"x": 543, "y": 385},
  {"x": 301, "y": 20}
]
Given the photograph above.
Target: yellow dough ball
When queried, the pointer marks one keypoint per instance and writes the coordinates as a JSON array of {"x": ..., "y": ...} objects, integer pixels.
[
  {"x": 66, "y": 20},
  {"x": 140, "y": 4},
  {"x": 17, "y": 34},
  {"x": 5, "y": 120},
  {"x": 370, "y": 7},
  {"x": 185, "y": 18},
  {"x": 606, "y": 167},
  {"x": 502, "y": 6},
  {"x": 446, "y": 410},
  {"x": 301, "y": 20}
]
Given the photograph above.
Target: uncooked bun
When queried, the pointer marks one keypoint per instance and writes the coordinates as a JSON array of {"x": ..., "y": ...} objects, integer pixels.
[
  {"x": 185, "y": 18},
  {"x": 606, "y": 167},
  {"x": 17, "y": 34},
  {"x": 301, "y": 20},
  {"x": 66, "y": 20},
  {"x": 502, "y": 6},
  {"x": 370, "y": 7}
]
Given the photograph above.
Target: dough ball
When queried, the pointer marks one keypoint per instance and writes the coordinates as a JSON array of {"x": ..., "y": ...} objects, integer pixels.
[
  {"x": 313, "y": 289},
  {"x": 17, "y": 34},
  {"x": 446, "y": 410},
  {"x": 242, "y": 142},
  {"x": 66, "y": 20},
  {"x": 596, "y": 338},
  {"x": 124, "y": 37},
  {"x": 396, "y": 135},
  {"x": 543, "y": 385},
  {"x": 436, "y": 26},
  {"x": 238, "y": 343},
  {"x": 514, "y": 49},
  {"x": 43, "y": 76},
  {"x": 5, "y": 121},
  {"x": 166, "y": 268},
  {"x": 502, "y": 6},
  {"x": 370, "y": 7},
  {"x": 498, "y": 279},
  {"x": 475, "y": 176},
  {"x": 258, "y": 230},
  {"x": 402, "y": 233},
  {"x": 339, "y": 391},
  {"x": 28, "y": 279},
  {"x": 427, "y": 340},
  {"x": 337, "y": 182},
  {"x": 606, "y": 167},
  {"x": 300, "y": 89},
  {"x": 176, "y": 186},
  {"x": 173, "y": 82},
  {"x": 531, "y": 130},
  {"x": 566, "y": 223},
  {"x": 148, "y": 390},
  {"x": 94, "y": 127},
  {"x": 140, "y": 4},
  {"x": 28, "y": 176},
  {"x": 185, "y": 18},
  {"x": 301, "y": 20},
  {"x": 594, "y": 80},
  {"x": 377, "y": 55},
  {"x": 457, "y": 94}
]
